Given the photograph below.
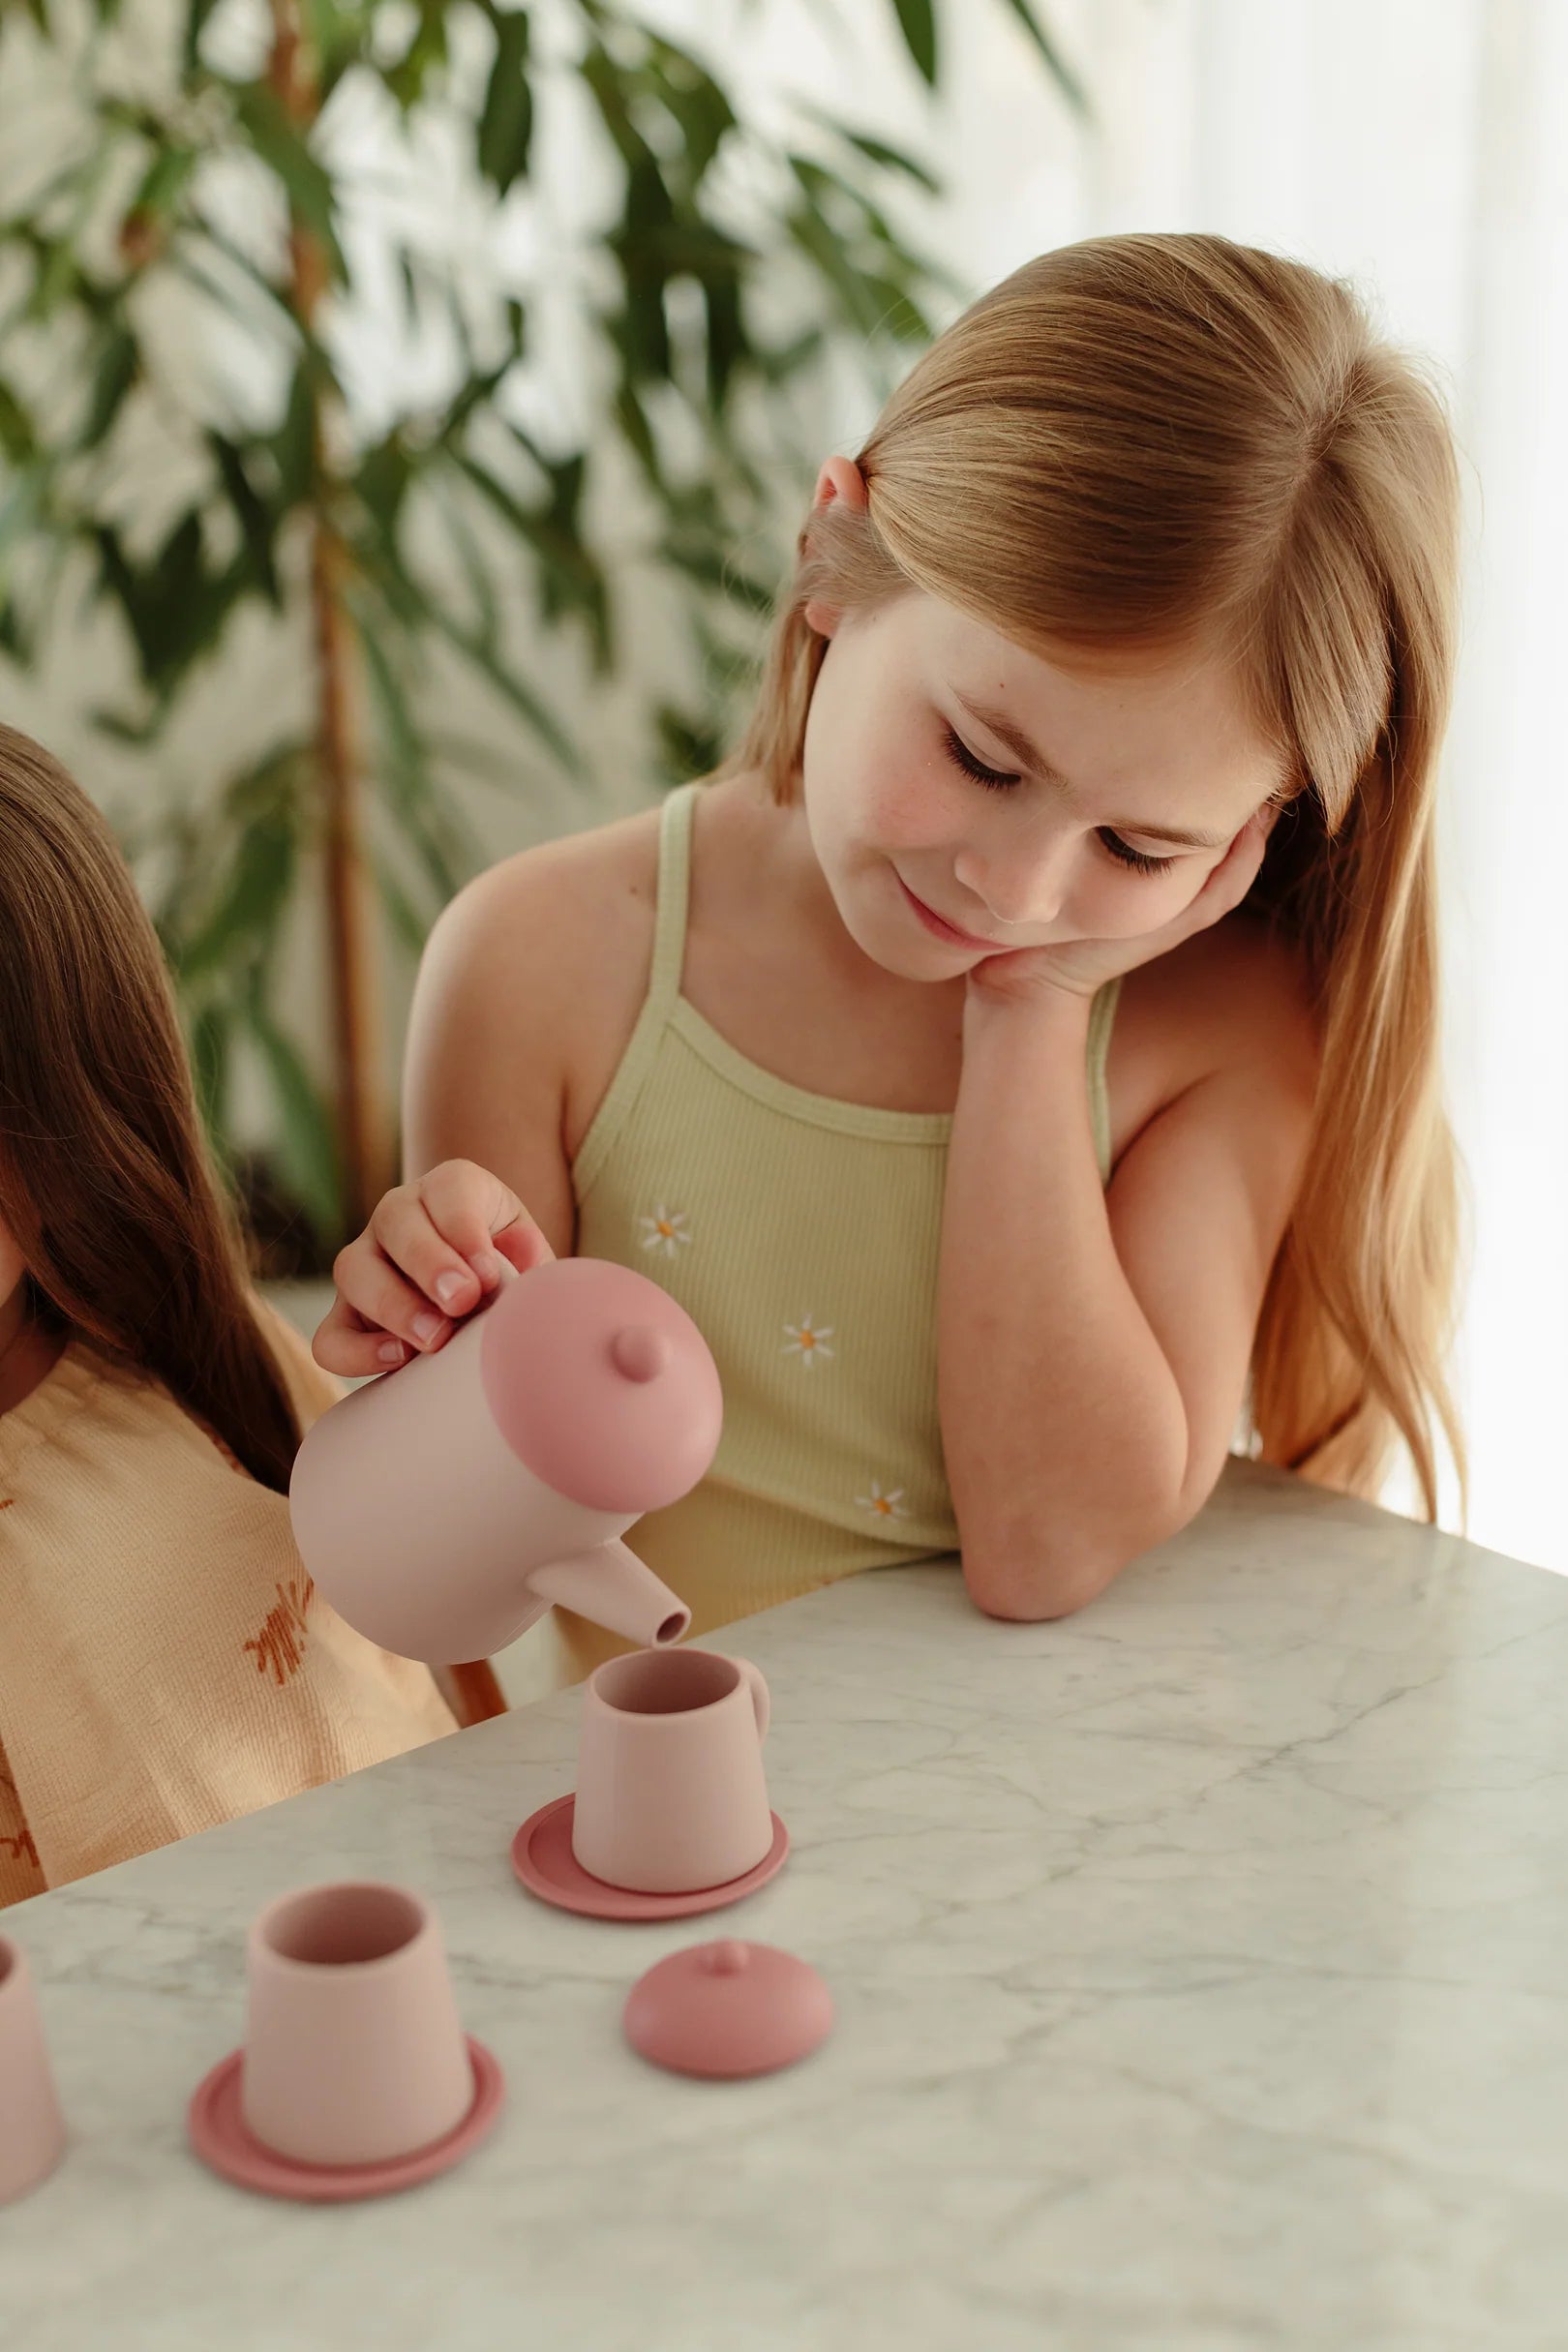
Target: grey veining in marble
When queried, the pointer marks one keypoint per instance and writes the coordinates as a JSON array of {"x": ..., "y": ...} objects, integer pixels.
[{"x": 1200, "y": 1966}]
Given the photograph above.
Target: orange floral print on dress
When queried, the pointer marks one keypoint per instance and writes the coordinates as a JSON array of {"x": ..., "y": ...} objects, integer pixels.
[
  {"x": 22, "y": 1842},
  {"x": 281, "y": 1644}
]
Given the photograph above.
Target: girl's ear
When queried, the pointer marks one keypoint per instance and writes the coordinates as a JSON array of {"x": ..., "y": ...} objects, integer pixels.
[{"x": 840, "y": 479}]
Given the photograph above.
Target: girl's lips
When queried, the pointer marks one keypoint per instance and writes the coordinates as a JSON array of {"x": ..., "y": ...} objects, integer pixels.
[{"x": 940, "y": 926}]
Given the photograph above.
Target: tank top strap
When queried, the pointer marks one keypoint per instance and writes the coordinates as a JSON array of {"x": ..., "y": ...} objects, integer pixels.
[
  {"x": 673, "y": 890},
  {"x": 674, "y": 895}
]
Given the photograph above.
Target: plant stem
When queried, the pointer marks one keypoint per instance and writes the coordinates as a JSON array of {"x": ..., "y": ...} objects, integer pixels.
[{"x": 363, "y": 1138}]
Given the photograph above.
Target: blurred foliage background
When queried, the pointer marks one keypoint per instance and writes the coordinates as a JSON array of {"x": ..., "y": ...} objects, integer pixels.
[{"x": 730, "y": 262}]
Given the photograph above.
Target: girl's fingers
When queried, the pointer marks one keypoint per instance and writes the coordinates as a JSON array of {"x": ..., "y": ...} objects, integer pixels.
[
  {"x": 372, "y": 1287},
  {"x": 523, "y": 1245},
  {"x": 472, "y": 1212},
  {"x": 343, "y": 1344}
]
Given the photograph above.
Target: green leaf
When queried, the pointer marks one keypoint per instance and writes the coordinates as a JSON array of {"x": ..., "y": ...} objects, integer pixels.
[
  {"x": 1067, "y": 80},
  {"x": 875, "y": 150},
  {"x": 257, "y": 523},
  {"x": 294, "y": 445},
  {"x": 176, "y": 608},
  {"x": 197, "y": 13},
  {"x": 506, "y": 123},
  {"x": 245, "y": 921},
  {"x": 694, "y": 103},
  {"x": 916, "y": 22},
  {"x": 408, "y": 925},
  {"x": 17, "y": 428},
  {"x": 512, "y": 689},
  {"x": 166, "y": 178},
  {"x": 307, "y": 1157},
  {"x": 277, "y": 143},
  {"x": 115, "y": 372},
  {"x": 424, "y": 57}
]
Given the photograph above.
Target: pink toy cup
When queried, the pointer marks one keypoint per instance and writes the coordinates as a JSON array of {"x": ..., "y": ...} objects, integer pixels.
[
  {"x": 32, "y": 2129},
  {"x": 671, "y": 1797},
  {"x": 354, "y": 2052}
]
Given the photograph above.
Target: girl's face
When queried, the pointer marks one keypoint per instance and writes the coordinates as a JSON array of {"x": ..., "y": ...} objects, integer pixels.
[{"x": 1022, "y": 804}]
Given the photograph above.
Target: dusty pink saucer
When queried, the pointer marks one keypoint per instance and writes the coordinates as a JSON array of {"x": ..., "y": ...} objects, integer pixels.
[
  {"x": 543, "y": 1859},
  {"x": 220, "y": 2138}
]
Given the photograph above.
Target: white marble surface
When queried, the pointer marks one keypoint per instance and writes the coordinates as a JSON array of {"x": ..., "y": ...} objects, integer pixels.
[{"x": 1202, "y": 1978}]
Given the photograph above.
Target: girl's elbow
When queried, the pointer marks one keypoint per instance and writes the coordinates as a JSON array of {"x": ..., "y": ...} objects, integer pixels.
[{"x": 1034, "y": 1592}]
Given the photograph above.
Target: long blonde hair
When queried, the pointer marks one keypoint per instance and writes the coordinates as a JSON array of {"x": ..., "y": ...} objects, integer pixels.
[{"x": 1153, "y": 441}]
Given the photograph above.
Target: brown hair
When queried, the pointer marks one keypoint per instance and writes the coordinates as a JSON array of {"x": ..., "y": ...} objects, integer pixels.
[
  {"x": 1158, "y": 441},
  {"x": 105, "y": 1177}
]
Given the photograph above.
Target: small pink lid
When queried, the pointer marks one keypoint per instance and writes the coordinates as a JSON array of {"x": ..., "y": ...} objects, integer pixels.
[
  {"x": 729, "y": 2008},
  {"x": 601, "y": 1384}
]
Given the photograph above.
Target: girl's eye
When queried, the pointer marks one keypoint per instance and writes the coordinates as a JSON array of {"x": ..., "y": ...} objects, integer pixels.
[
  {"x": 995, "y": 780},
  {"x": 959, "y": 753},
  {"x": 1136, "y": 858}
]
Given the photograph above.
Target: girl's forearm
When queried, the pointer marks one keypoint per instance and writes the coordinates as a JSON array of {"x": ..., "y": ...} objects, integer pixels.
[{"x": 1063, "y": 1426}]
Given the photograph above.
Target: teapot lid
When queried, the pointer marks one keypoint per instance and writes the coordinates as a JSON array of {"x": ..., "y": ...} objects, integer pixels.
[
  {"x": 600, "y": 1384},
  {"x": 728, "y": 2009}
]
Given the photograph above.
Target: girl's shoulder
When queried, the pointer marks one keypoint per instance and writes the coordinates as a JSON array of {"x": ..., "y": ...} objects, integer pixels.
[
  {"x": 540, "y": 966},
  {"x": 566, "y": 923},
  {"x": 1235, "y": 997}
]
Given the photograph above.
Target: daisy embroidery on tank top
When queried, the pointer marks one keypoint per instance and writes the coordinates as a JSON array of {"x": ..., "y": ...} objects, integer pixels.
[
  {"x": 809, "y": 1340},
  {"x": 665, "y": 1230},
  {"x": 888, "y": 1503}
]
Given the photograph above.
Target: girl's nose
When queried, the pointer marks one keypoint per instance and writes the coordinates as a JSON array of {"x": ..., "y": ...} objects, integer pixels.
[{"x": 1021, "y": 883}]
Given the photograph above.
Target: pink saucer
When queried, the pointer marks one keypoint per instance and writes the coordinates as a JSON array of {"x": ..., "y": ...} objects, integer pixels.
[
  {"x": 543, "y": 1859},
  {"x": 220, "y": 2138}
]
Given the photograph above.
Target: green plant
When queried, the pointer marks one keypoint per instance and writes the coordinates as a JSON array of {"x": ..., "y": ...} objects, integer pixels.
[{"x": 312, "y": 518}]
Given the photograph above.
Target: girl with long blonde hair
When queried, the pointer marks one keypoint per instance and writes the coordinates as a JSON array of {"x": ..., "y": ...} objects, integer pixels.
[{"x": 1021, "y": 1058}]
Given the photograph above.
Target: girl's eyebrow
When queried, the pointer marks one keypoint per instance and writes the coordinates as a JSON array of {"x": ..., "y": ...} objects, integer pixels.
[{"x": 1029, "y": 755}]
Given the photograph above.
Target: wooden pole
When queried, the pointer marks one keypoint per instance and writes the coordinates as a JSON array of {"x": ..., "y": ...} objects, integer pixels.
[{"x": 361, "y": 1127}]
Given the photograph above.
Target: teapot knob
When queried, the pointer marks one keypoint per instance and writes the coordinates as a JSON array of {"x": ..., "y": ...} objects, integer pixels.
[
  {"x": 639, "y": 1352},
  {"x": 726, "y": 1958}
]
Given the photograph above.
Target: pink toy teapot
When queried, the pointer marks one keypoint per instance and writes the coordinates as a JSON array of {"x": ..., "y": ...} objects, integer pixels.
[{"x": 443, "y": 1507}]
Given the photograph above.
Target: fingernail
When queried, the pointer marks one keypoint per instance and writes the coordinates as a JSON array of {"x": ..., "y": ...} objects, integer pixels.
[
  {"x": 425, "y": 1327},
  {"x": 391, "y": 1351},
  {"x": 451, "y": 1287},
  {"x": 489, "y": 1266}
]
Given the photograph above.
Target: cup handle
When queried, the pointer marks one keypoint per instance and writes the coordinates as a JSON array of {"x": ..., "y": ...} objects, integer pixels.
[{"x": 761, "y": 1703}]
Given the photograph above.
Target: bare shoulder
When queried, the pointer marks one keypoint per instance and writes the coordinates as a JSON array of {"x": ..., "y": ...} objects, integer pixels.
[
  {"x": 1234, "y": 998},
  {"x": 541, "y": 962},
  {"x": 560, "y": 913}
]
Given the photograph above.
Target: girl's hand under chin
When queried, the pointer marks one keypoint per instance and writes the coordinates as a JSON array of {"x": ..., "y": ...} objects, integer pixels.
[{"x": 1079, "y": 967}]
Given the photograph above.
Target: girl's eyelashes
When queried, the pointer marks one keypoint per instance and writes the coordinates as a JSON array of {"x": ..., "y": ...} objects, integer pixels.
[
  {"x": 995, "y": 779},
  {"x": 1136, "y": 858},
  {"x": 959, "y": 753}
]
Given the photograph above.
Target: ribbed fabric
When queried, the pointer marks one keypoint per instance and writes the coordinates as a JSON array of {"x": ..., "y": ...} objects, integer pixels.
[
  {"x": 802, "y": 1234},
  {"x": 166, "y": 1662}
]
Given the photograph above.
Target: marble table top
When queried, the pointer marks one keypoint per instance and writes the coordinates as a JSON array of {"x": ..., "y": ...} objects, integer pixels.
[{"x": 1201, "y": 1967}]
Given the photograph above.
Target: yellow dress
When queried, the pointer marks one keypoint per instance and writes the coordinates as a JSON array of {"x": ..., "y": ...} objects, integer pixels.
[{"x": 166, "y": 1662}]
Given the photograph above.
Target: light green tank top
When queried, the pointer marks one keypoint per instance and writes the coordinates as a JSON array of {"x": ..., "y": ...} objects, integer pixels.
[{"x": 800, "y": 1233}]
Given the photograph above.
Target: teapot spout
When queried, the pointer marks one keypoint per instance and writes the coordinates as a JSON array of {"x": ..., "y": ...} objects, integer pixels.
[{"x": 610, "y": 1585}]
